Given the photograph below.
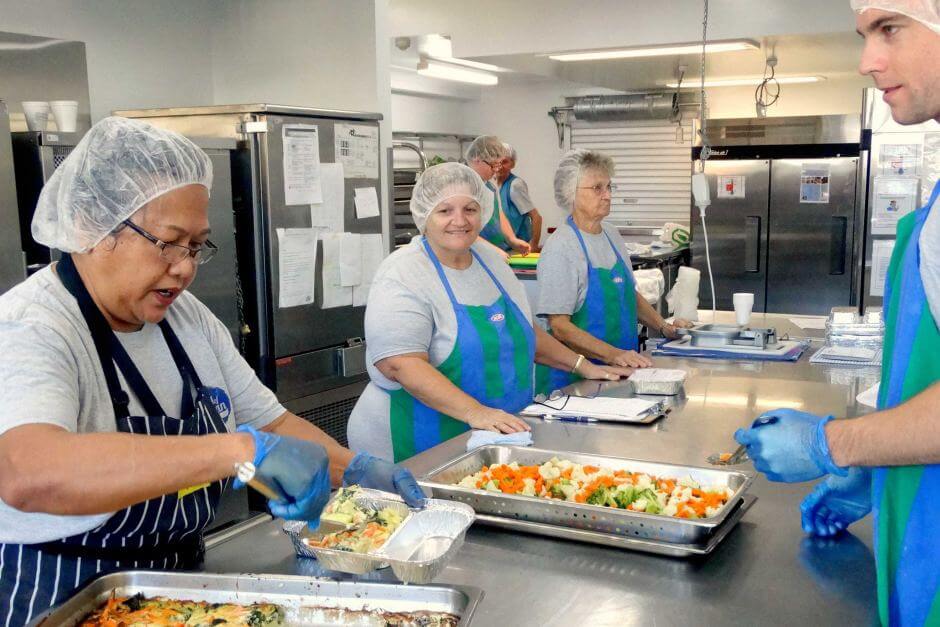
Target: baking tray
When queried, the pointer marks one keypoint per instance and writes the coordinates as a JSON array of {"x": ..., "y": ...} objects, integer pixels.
[
  {"x": 668, "y": 549},
  {"x": 417, "y": 551},
  {"x": 290, "y": 592},
  {"x": 577, "y": 515}
]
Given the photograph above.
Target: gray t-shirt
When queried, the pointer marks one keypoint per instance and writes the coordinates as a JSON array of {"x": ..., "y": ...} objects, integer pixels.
[
  {"x": 409, "y": 312},
  {"x": 519, "y": 195},
  {"x": 562, "y": 270},
  {"x": 930, "y": 261},
  {"x": 52, "y": 375}
]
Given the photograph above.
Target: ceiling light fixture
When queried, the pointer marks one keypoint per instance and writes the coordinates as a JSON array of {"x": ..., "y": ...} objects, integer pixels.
[
  {"x": 656, "y": 51},
  {"x": 754, "y": 80},
  {"x": 451, "y": 72}
]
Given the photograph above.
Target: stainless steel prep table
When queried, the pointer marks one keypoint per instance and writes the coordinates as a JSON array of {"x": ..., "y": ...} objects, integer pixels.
[{"x": 765, "y": 572}]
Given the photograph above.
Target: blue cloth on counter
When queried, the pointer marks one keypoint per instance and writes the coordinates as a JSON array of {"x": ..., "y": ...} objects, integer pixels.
[
  {"x": 791, "y": 355},
  {"x": 479, "y": 437}
]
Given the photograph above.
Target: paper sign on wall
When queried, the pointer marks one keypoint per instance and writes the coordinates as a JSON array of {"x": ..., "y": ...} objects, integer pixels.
[
  {"x": 900, "y": 159},
  {"x": 296, "y": 261},
  {"x": 350, "y": 260},
  {"x": 373, "y": 252},
  {"x": 730, "y": 186},
  {"x": 330, "y": 213},
  {"x": 367, "y": 202},
  {"x": 931, "y": 165},
  {"x": 357, "y": 148},
  {"x": 334, "y": 293},
  {"x": 881, "y": 250},
  {"x": 893, "y": 198},
  {"x": 301, "y": 161},
  {"x": 814, "y": 183}
]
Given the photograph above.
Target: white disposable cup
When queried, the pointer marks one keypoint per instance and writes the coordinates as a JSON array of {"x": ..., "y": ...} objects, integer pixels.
[
  {"x": 37, "y": 114},
  {"x": 743, "y": 304},
  {"x": 66, "y": 115}
]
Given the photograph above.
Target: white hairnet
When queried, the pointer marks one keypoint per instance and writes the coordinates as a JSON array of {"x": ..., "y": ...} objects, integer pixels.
[
  {"x": 118, "y": 167},
  {"x": 927, "y": 12},
  {"x": 572, "y": 165},
  {"x": 486, "y": 148},
  {"x": 448, "y": 180}
]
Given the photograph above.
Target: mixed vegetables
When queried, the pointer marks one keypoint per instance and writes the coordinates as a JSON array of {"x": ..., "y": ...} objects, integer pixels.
[
  {"x": 374, "y": 526},
  {"x": 570, "y": 481}
]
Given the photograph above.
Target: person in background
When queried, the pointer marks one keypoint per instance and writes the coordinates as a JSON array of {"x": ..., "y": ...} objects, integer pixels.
[
  {"x": 485, "y": 156},
  {"x": 889, "y": 460},
  {"x": 524, "y": 218},
  {"x": 586, "y": 286},
  {"x": 449, "y": 334},
  {"x": 125, "y": 405}
]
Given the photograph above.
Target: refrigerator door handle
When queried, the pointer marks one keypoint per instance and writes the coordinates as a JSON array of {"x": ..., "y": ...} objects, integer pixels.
[
  {"x": 752, "y": 244},
  {"x": 837, "y": 236}
]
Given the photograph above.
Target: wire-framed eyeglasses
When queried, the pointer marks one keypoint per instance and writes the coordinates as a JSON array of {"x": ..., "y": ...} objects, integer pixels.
[{"x": 174, "y": 253}]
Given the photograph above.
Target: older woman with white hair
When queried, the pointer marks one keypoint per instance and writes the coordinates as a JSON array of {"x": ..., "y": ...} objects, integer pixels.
[
  {"x": 486, "y": 155},
  {"x": 449, "y": 333},
  {"x": 586, "y": 286},
  {"x": 125, "y": 405}
]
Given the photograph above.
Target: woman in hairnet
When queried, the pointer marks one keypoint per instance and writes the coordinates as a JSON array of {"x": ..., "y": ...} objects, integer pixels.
[
  {"x": 485, "y": 156},
  {"x": 586, "y": 286},
  {"x": 449, "y": 334},
  {"x": 125, "y": 405}
]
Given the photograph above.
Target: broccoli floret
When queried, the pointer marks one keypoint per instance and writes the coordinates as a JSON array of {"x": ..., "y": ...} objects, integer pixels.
[
  {"x": 624, "y": 495},
  {"x": 598, "y": 497}
]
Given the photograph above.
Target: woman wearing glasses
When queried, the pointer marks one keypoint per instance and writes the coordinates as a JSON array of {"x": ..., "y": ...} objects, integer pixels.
[
  {"x": 586, "y": 287},
  {"x": 104, "y": 351}
]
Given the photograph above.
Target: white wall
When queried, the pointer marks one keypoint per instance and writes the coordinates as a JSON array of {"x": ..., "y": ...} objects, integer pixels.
[
  {"x": 296, "y": 52},
  {"x": 840, "y": 95},
  {"x": 139, "y": 53},
  {"x": 432, "y": 114}
]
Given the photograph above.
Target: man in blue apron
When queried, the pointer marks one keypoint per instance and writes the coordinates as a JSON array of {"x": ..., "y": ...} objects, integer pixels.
[
  {"x": 524, "y": 218},
  {"x": 125, "y": 405},
  {"x": 888, "y": 461}
]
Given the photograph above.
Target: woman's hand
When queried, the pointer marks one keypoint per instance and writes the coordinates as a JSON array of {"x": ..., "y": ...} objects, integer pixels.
[
  {"x": 491, "y": 419},
  {"x": 620, "y": 371},
  {"x": 682, "y": 323},
  {"x": 630, "y": 359},
  {"x": 590, "y": 370},
  {"x": 671, "y": 330}
]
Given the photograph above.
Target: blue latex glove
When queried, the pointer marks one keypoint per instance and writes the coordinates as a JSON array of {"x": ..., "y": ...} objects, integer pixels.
[
  {"x": 837, "y": 502},
  {"x": 378, "y": 474},
  {"x": 789, "y": 446},
  {"x": 299, "y": 469}
]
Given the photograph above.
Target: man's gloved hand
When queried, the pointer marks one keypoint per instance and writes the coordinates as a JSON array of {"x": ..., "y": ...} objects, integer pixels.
[
  {"x": 789, "y": 446},
  {"x": 299, "y": 469},
  {"x": 837, "y": 502},
  {"x": 378, "y": 474}
]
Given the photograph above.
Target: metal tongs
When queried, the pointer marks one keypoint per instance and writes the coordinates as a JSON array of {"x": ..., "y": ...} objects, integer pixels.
[
  {"x": 248, "y": 474},
  {"x": 739, "y": 456}
]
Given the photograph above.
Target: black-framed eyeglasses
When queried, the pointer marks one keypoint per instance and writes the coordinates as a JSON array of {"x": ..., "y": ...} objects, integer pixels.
[
  {"x": 174, "y": 253},
  {"x": 600, "y": 188}
]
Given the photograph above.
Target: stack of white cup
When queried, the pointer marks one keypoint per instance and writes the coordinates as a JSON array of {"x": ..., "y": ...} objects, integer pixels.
[
  {"x": 64, "y": 111},
  {"x": 743, "y": 304}
]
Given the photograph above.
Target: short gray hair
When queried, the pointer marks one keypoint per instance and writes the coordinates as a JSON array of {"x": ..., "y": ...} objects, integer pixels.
[
  {"x": 510, "y": 151},
  {"x": 572, "y": 167}
]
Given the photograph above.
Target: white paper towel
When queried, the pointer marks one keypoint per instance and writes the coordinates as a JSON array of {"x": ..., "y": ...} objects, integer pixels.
[{"x": 683, "y": 297}]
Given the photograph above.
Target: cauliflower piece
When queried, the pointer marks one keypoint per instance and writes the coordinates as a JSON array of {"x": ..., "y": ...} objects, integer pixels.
[
  {"x": 529, "y": 487},
  {"x": 670, "y": 510},
  {"x": 469, "y": 482},
  {"x": 644, "y": 481},
  {"x": 548, "y": 472},
  {"x": 711, "y": 511},
  {"x": 639, "y": 505},
  {"x": 688, "y": 482}
]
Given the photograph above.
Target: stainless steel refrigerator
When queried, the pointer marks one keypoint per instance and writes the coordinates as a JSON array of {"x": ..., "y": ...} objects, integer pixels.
[
  {"x": 784, "y": 217},
  {"x": 903, "y": 166},
  {"x": 312, "y": 357}
]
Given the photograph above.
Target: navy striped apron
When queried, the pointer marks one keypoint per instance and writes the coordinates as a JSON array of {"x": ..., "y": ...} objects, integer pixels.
[{"x": 161, "y": 533}]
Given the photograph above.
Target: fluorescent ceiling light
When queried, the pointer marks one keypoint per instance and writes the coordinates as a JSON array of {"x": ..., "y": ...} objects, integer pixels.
[
  {"x": 449, "y": 72},
  {"x": 656, "y": 51},
  {"x": 754, "y": 80},
  {"x": 440, "y": 48}
]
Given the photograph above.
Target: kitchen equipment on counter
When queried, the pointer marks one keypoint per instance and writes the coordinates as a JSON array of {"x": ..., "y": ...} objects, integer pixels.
[{"x": 727, "y": 335}]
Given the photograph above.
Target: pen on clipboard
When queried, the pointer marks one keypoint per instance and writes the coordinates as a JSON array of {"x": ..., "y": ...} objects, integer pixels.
[{"x": 568, "y": 418}]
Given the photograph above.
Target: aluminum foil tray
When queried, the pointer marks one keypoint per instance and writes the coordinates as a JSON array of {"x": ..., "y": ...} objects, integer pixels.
[
  {"x": 658, "y": 381},
  {"x": 668, "y": 549},
  {"x": 608, "y": 520},
  {"x": 417, "y": 551},
  {"x": 290, "y": 592}
]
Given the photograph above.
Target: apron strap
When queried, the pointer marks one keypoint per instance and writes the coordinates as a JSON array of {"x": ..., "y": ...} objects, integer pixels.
[
  {"x": 577, "y": 232},
  {"x": 109, "y": 348}
]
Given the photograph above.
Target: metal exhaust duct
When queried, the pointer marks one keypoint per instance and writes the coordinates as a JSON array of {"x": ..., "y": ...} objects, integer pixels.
[{"x": 626, "y": 107}]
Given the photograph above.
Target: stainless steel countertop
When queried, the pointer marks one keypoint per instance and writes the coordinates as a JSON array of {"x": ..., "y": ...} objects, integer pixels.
[{"x": 766, "y": 572}]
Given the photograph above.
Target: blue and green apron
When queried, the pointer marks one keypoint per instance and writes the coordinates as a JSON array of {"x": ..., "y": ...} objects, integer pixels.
[
  {"x": 492, "y": 231},
  {"x": 521, "y": 223},
  {"x": 906, "y": 499},
  {"x": 608, "y": 312},
  {"x": 161, "y": 533},
  {"x": 491, "y": 361}
]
